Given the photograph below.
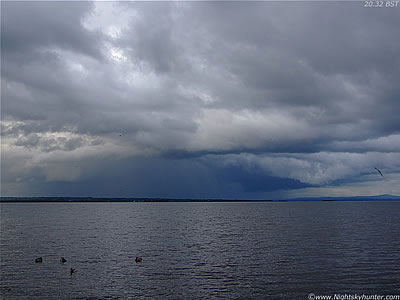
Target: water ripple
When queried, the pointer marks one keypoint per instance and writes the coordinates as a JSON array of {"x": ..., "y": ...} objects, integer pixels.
[{"x": 198, "y": 250}]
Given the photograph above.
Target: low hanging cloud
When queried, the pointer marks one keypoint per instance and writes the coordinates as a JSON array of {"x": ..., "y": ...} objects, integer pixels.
[{"x": 249, "y": 98}]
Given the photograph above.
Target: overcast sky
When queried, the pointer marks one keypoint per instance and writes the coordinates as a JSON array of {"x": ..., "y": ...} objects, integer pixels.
[{"x": 238, "y": 100}]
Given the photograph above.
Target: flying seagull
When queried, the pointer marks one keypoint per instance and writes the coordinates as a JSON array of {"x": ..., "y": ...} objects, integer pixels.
[{"x": 379, "y": 171}]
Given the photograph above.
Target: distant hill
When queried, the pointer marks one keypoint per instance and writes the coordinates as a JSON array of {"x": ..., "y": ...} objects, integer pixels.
[{"x": 352, "y": 198}]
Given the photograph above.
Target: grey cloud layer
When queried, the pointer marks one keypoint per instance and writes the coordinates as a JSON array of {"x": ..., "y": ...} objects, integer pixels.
[{"x": 182, "y": 79}]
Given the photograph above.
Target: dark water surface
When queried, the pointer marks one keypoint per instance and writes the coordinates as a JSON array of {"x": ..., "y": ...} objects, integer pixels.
[{"x": 199, "y": 250}]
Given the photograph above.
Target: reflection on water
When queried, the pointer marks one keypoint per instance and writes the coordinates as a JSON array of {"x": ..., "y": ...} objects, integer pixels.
[{"x": 199, "y": 250}]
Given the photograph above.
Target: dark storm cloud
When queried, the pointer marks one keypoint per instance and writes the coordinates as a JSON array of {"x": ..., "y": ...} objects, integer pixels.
[
  {"x": 234, "y": 89},
  {"x": 255, "y": 180},
  {"x": 334, "y": 57},
  {"x": 27, "y": 26},
  {"x": 151, "y": 39}
]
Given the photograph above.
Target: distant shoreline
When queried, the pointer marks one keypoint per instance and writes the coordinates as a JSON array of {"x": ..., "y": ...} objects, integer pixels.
[{"x": 94, "y": 199}]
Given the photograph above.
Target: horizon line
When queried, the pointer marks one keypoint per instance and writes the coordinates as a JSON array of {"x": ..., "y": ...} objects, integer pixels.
[{"x": 5, "y": 199}]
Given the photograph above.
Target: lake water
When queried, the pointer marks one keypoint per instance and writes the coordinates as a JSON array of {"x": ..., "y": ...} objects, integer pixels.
[{"x": 199, "y": 250}]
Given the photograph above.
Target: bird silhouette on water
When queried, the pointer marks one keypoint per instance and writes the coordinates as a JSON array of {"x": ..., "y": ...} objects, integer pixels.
[
  {"x": 138, "y": 259},
  {"x": 62, "y": 260},
  {"x": 71, "y": 271},
  {"x": 38, "y": 260},
  {"x": 378, "y": 171}
]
